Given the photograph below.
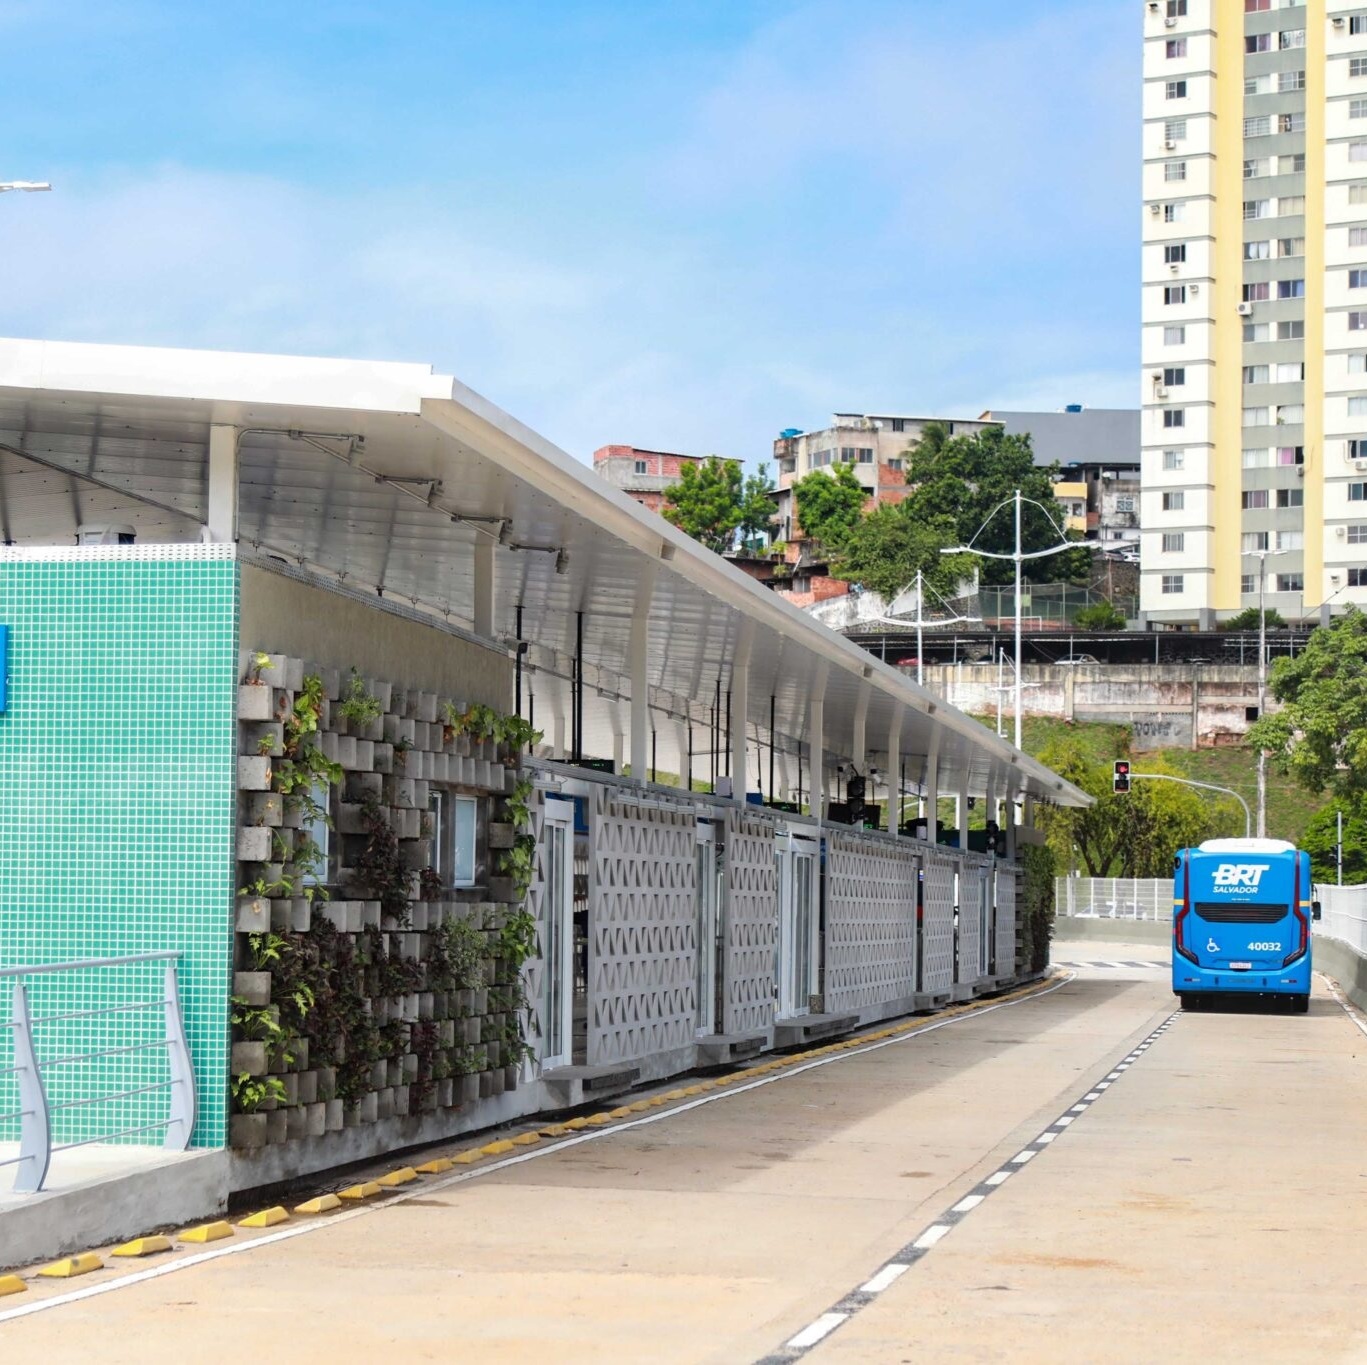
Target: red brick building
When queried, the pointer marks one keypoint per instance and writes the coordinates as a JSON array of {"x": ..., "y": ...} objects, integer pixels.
[{"x": 643, "y": 474}]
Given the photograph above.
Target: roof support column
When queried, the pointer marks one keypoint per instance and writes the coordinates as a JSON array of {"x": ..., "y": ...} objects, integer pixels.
[
  {"x": 222, "y": 490},
  {"x": 861, "y": 720},
  {"x": 640, "y": 680},
  {"x": 816, "y": 742},
  {"x": 961, "y": 811},
  {"x": 484, "y": 586},
  {"x": 894, "y": 774},
  {"x": 740, "y": 709},
  {"x": 930, "y": 786}
]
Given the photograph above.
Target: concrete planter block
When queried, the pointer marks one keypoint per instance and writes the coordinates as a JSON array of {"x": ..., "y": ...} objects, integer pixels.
[
  {"x": 341, "y": 724},
  {"x": 481, "y": 1002},
  {"x": 422, "y": 790},
  {"x": 327, "y": 744},
  {"x": 502, "y": 890},
  {"x": 335, "y": 1115},
  {"x": 255, "y": 702},
  {"x": 253, "y": 774},
  {"x": 408, "y": 824},
  {"x": 291, "y": 1084},
  {"x": 420, "y": 915},
  {"x": 300, "y": 1048},
  {"x": 268, "y": 737},
  {"x": 351, "y": 819},
  {"x": 307, "y": 1087},
  {"x": 427, "y": 707},
  {"x": 444, "y": 1093},
  {"x": 315, "y": 1120},
  {"x": 293, "y": 675},
  {"x": 410, "y": 1068},
  {"x": 383, "y": 761},
  {"x": 265, "y": 808},
  {"x": 250, "y": 1058},
  {"x": 247, "y": 1131},
  {"x": 346, "y": 751},
  {"x": 354, "y": 1115},
  {"x": 426, "y": 1004},
  {"x": 510, "y": 1077},
  {"x": 464, "y": 745},
  {"x": 361, "y": 787},
  {"x": 369, "y": 1107},
  {"x": 446, "y": 1033},
  {"x": 401, "y": 1099},
  {"x": 327, "y": 1082},
  {"x": 253, "y": 987},
  {"x": 253, "y": 844},
  {"x": 253, "y": 915},
  {"x": 335, "y": 912},
  {"x": 370, "y": 915},
  {"x": 293, "y": 817},
  {"x": 332, "y": 682},
  {"x": 385, "y": 1104},
  {"x": 501, "y": 835},
  {"x": 416, "y": 855},
  {"x": 468, "y": 1089},
  {"x": 398, "y": 791},
  {"x": 383, "y": 692},
  {"x": 277, "y": 1126},
  {"x": 471, "y": 1029},
  {"x": 365, "y": 756},
  {"x": 371, "y": 732},
  {"x": 509, "y": 779},
  {"x": 379, "y": 1075},
  {"x": 301, "y": 915}
]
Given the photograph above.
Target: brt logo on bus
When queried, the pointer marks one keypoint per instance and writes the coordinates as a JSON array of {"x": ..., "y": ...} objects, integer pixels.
[{"x": 1239, "y": 874}]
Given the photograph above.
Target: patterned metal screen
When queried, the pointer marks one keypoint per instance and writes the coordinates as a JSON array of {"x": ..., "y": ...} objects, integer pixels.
[
  {"x": 751, "y": 922},
  {"x": 870, "y": 921},
  {"x": 975, "y": 871},
  {"x": 1006, "y": 919},
  {"x": 937, "y": 931}
]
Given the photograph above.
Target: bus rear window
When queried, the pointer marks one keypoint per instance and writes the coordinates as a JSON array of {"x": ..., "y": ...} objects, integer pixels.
[{"x": 1242, "y": 912}]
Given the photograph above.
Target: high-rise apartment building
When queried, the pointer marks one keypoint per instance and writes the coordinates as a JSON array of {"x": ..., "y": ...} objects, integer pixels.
[{"x": 1255, "y": 307}]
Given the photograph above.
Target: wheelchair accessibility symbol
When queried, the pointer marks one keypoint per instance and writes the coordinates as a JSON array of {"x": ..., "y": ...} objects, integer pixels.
[{"x": 1212, "y": 946}]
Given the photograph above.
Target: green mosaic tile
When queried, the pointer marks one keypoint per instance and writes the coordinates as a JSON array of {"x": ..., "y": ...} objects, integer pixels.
[{"x": 118, "y": 823}]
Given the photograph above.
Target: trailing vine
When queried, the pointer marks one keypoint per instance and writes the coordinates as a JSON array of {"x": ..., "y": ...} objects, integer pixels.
[{"x": 380, "y": 864}]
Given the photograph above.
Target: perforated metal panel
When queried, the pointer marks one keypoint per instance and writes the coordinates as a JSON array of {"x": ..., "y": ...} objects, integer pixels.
[
  {"x": 937, "y": 924},
  {"x": 534, "y": 969},
  {"x": 642, "y": 928},
  {"x": 751, "y": 922},
  {"x": 970, "y": 919},
  {"x": 1006, "y": 919},
  {"x": 870, "y": 922}
]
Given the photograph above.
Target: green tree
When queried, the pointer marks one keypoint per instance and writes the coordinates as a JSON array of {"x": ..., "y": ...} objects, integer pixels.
[
  {"x": 1319, "y": 737},
  {"x": 964, "y": 479},
  {"x": 1135, "y": 834},
  {"x": 1320, "y": 841},
  {"x": 706, "y": 502},
  {"x": 1248, "y": 620},
  {"x": 1102, "y": 615},
  {"x": 886, "y": 547},
  {"x": 829, "y": 505},
  {"x": 756, "y": 507}
]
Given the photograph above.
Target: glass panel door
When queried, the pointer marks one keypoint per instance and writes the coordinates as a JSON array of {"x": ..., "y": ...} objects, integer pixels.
[
  {"x": 797, "y": 924},
  {"x": 558, "y": 838}
]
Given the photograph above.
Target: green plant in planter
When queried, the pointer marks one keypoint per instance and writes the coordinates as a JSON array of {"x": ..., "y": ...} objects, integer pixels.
[
  {"x": 265, "y": 746},
  {"x": 380, "y": 864},
  {"x": 517, "y": 808},
  {"x": 518, "y": 863},
  {"x": 266, "y": 951},
  {"x": 430, "y": 885},
  {"x": 264, "y": 889},
  {"x": 250, "y": 1092},
  {"x": 259, "y": 664},
  {"x": 457, "y": 957},
  {"x": 259, "y": 1024},
  {"x": 401, "y": 749},
  {"x": 357, "y": 705},
  {"x": 305, "y": 714},
  {"x": 481, "y": 722},
  {"x": 517, "y": 733}
]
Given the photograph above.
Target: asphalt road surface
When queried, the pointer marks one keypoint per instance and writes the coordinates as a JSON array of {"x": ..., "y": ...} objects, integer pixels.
[{"x": 1082, "y": 1175}]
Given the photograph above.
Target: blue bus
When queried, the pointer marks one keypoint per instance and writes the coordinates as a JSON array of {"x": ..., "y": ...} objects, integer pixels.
[{"x": 1241, "y": 922}]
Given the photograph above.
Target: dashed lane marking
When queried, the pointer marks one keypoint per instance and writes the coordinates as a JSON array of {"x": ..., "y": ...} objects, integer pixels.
[
  {"x": 897, "y": 1265},
  {"x": 459, "y": 1177}
]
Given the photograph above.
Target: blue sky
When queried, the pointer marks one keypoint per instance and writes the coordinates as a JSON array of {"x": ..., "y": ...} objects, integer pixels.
[{"x": 684, "y": 224}]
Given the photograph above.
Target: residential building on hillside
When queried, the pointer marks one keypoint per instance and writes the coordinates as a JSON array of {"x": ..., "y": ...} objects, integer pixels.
[
  {"x": 643, "y": 474},
  {"x": 1254, "y": 349}
]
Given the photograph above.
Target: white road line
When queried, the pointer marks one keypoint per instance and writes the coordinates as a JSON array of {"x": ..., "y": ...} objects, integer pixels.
[
  {"x": 1064, "y": 1121},
  {"x": 1046, "y": 1137},
  {"x": 969, "y": 1201},
  {"x": 1343, "y": 1004},
  {"x": 816, "y": 1331},
  {"x": 885, "y": 1277},
  {"x": 430, "y": 1187},
  {"x": 1022, "y": 1157},
  {"x": 997, "y": 1178},
  {"x": 930, "y": 1236}
]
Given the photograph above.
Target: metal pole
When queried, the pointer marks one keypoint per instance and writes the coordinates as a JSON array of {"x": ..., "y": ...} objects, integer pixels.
[
  {"x": 1205, "y": 786},
  {"x": 1001, "y": 687},
  {"x": 1018, "y": 618},
  {"x": 1339, "y": 850},
  {"x": 772, "y": 722},
  {"x": 517, "y": 699},
  {"x": 1262, "y": 684},
  {"x": 920, "y": 618}
]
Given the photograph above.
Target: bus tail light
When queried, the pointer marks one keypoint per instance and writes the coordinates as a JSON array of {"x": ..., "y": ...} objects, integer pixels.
[
  {"x": 1181, "y": 915},
  {"x": 1302, "y": 919}
]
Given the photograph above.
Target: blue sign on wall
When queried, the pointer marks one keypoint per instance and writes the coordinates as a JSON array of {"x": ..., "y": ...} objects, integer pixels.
[{"x": 4, "y": 665}]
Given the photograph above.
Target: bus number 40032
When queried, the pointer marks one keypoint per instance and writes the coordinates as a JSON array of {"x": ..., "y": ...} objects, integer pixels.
[{"x": 1264, "y": 947}]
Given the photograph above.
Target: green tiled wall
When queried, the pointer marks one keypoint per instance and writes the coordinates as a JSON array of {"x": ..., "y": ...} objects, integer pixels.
[{"x": 118, "y": 821}]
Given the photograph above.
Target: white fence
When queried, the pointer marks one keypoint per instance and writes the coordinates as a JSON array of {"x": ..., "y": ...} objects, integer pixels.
[
  {"x": 1137, "y": 898},
  {"x": 1344, "y": 915}
]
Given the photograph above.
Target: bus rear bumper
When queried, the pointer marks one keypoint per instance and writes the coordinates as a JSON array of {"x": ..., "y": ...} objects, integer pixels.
[{"x": 1189, "y": 979}]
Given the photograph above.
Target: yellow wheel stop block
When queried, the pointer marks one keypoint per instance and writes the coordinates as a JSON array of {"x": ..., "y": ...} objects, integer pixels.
[
  {"x": 323, "y": 1203},
  {"x": 367, "y": 1190},
  {"x": 72, "y": 1265},
  {"x": 207, "y": 1232},
  {"x": 436, "y": 1166},
  {"x": 403, "y": 1176},
  {"x": 467, "y": 1158},
  {"x": 143, "y": 1246},
  {"x": 497, "y": 1148},
  {"x": 266, "y": 1218},
  {"x": 526, "y": 1139},
  {"x": 11, "y": 1284}
]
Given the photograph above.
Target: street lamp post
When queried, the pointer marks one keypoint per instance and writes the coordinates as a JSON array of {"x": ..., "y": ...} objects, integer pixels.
[
  {"x": 27, "y": 186},
  {"x": 1018, "y": 556}
]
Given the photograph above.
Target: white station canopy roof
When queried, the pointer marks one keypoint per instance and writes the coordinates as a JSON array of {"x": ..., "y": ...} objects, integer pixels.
[{"x": 385, "y": 475}]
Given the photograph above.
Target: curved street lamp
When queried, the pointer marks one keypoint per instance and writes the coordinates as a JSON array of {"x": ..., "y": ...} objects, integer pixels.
[
  {"x": 1018, "y": 556},
  {"x": 28, "y": 186}
]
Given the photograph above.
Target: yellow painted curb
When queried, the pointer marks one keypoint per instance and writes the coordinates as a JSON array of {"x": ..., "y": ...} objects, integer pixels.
[
  {"x": 143, "y": 1246},
  {"x": 323, "y": 1203},
  {"x": 355, "y": 1192},
  {"x": 467, "y": 1158},
  {"x": 526, "y": 1139},
  {"x": 435, "y": 1167},
  {"x": 11, "y": 1284},
  {"x": 72, "y": 1265},
  {"x": 207, "y": 1232},
  {"x": 497, "y": 1148},
  {"x": 266, "y": 1218},
  {"x": 402, "y": 1176}
]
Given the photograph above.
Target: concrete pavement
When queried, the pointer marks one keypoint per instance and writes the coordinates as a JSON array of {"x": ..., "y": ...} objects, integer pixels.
[{"x": 722, "y": 1231}]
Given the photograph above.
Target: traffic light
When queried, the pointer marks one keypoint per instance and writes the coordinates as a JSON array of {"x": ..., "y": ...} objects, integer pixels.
[{"x": 1120, "y": 779}]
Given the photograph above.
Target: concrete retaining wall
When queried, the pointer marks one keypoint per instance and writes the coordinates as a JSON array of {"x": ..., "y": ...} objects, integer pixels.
[{"x": 1068, "y": 930}]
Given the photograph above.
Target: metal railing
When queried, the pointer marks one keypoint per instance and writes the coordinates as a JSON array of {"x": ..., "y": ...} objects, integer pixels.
[
  {"x": 1343, "y": 911},
  {"x": 1137, "y": 898},
  {"x": 36, "y": 1112}
]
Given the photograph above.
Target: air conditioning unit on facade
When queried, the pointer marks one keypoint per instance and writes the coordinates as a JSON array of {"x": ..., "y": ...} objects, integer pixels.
[
  {"x": 1160, "y": 391},
  {"x": 1340, "y": 531},
  {"x": 1195, "y": 289},
  {"x": 1170, "y": 22},
  {"x": 1245, "y": 309},
  {"x": 1170, "y": 144},
  {"x": 1360, "y": 466},
  {"x": 1155, "y": 209}
]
